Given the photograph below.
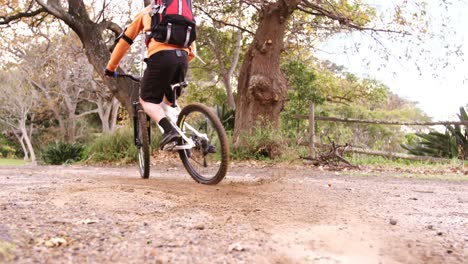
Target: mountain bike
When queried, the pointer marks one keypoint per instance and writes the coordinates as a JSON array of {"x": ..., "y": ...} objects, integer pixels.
[{"x": 202, "y": 146}]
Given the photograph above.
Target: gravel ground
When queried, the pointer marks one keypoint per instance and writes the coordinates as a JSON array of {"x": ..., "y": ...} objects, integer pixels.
[{"x": 258, "y": 214}]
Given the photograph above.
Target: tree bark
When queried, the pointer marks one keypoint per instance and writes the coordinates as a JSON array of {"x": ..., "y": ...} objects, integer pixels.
[
  {"x": 114, "y": 115},
  {"x": 23, "y": 146},
  {"x": 24, "y": 135},
  {"x": 262, "y": 86}
]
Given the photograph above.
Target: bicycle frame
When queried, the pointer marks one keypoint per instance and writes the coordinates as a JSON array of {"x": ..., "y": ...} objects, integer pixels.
[{"x": 136, "y": 107}]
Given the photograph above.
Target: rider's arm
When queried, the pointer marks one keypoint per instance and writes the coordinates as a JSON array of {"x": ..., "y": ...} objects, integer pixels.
[{"x": 125, "y": 41}]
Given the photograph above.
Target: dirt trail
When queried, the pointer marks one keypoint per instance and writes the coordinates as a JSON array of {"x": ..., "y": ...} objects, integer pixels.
[{"x": 256, "y": 215}]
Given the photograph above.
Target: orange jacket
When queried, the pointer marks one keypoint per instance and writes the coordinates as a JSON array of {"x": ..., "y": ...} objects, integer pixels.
[{"x": 142, "y": 22}]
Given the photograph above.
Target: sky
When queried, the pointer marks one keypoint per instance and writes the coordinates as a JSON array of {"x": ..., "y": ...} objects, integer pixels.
[{"x": 439, "y": 92}]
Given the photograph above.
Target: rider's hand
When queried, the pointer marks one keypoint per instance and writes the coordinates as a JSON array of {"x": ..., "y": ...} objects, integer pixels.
[{"x": 110, "y": 73}]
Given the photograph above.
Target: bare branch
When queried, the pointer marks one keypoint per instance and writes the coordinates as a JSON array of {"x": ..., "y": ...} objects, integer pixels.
[
  {"x": 317, "y": 10},
  {"x": 54, "y": 8},
  {"x": 111, "y": 26},
  {"x": 226, "y": 23},
  {"x": 94, "y": 111},
  {"x": 5, "y": 20}
]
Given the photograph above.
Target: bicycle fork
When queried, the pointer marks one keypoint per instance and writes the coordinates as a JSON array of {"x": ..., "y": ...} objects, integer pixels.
[{"x": 136, "y": 108}]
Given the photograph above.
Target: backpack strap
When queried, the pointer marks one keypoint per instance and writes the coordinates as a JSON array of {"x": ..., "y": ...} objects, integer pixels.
[
  {"x": 156, "y": 10},
  {"x": 169, "y": 32},
  {"x": 187, "y": 36}
]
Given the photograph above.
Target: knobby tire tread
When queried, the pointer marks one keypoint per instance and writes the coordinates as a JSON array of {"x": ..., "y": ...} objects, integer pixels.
[
  {"x": 144, "y": 141},
  {"x": 197, "y": 107}
]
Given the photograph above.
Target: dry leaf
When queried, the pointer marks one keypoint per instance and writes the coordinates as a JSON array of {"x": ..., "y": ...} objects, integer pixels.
[
  {"x": 55, "y": 242},
  {"x": 235, "y": 247}
]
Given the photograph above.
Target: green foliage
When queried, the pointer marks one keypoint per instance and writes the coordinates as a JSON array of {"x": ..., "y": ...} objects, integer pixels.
[
  {"x": 373, "y": 136},
  {"x": 263, "y": 143},
  {"x": 340, "y": 86},
  {"x": 302, "y": 92},
  {"x": 346, "y": 96},
  {"x": 301, "y": 80},
  {"x": 433, "y": 144},
  {"x": 451, "y": 144},
  {"x": 227, "y": 117},
  {"x": 118, "y": 146},
  {"x": 8, "y": 149},
  {"x": 214, "y": 45},
  {"x": 210, "y": 95},
  {"x": 62, "y": 153}
]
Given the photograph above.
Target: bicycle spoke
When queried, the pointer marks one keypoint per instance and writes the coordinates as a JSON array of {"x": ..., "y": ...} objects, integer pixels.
[{"x": 207, "y": 161}]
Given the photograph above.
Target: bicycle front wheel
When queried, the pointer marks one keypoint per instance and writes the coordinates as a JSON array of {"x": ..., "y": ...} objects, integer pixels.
[
  {"x": 207, "y": 162},
  {"x": 143, "y": 144}
]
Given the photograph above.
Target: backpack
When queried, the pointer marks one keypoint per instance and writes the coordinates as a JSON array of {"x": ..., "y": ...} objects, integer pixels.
[{"x": 172, "y": 22}]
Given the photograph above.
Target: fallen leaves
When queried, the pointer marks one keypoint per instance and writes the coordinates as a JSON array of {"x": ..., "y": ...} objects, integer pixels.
[
  {"x": 53, "y": 242},
  {"x": 89, "y": 221},
  {"x": 235, "y": 247}
]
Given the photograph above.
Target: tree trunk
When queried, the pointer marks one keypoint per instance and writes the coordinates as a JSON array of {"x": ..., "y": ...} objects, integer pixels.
[
  {"x": 23, "y": 146},
  {"x": 103, "y": 112},
  {"x": 98, "y": 55},
  {"x": 24, "y": 133},
  {"x": 262, "y": 86},
  {"x": 114, "y": 114},
  {"x": 71, "y": 128},
  {"x": 230, "y": 95}
]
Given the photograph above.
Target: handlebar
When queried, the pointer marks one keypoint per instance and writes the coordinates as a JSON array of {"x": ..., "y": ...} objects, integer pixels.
[{"x": 131, "y": 77}]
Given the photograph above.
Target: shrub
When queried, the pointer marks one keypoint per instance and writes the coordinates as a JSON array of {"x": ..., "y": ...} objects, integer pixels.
[
  {"x": 9, "y": 149},
  {"x": 264, "y": 142},
  {"x": 226, "y": 116},
  {"x": 118, "y": 146},
  {"x": 451, "y": 144},
  {"x": 62, "y": 152}
]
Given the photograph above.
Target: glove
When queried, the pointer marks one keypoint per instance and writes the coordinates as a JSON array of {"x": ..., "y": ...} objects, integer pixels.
[{"x": 110, "y": 73}]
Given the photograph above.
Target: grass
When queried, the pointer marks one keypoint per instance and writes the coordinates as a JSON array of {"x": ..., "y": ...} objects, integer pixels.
[
  {"x": 401, "y": 168},
  {"x": 409, "y": 175},
  {"x": 11, "y": 162},
  {"x": 357, "y": 159}
]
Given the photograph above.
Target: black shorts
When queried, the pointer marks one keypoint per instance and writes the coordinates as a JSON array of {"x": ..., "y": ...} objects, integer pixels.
[{"x": 163, "y": 69}]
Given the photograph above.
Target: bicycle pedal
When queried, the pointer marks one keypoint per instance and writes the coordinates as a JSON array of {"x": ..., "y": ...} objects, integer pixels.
[{"x": 170, "y": 146}]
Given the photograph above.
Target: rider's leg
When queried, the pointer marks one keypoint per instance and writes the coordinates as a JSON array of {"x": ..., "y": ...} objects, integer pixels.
[
  {"x": 159, "y": 111},
  {"x": 162, "y": 68},
  {"x": 156, "y": 112}
]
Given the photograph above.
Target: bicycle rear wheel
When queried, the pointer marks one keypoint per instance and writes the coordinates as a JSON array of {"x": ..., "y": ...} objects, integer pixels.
[
  {"x": 207, "y": 162},
  {"x": 143, "y": 144}
]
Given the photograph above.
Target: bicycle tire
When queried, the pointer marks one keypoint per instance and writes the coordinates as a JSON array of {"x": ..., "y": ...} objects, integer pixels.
[
  {"x": 215, "y": 164},
  {"x": 143, "y": 147}
]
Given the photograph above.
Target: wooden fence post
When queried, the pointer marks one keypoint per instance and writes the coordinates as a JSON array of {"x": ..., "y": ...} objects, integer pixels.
[{"x": 312, "y": 130}]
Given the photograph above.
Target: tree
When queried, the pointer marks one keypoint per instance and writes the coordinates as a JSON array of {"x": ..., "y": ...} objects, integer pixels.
[
  {"x": 90, "y": 30},
  {"x": 62, "y": 89},
  {"x": 262, "y": 87},
  {"x": 17, "y": 103},
  {"x": 221, "y": 50},
  {"x": 295, "y": 26}
]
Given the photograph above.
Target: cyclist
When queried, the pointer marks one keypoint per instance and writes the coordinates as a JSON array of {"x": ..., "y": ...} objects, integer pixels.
[{"x": 166, "y": 64}]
